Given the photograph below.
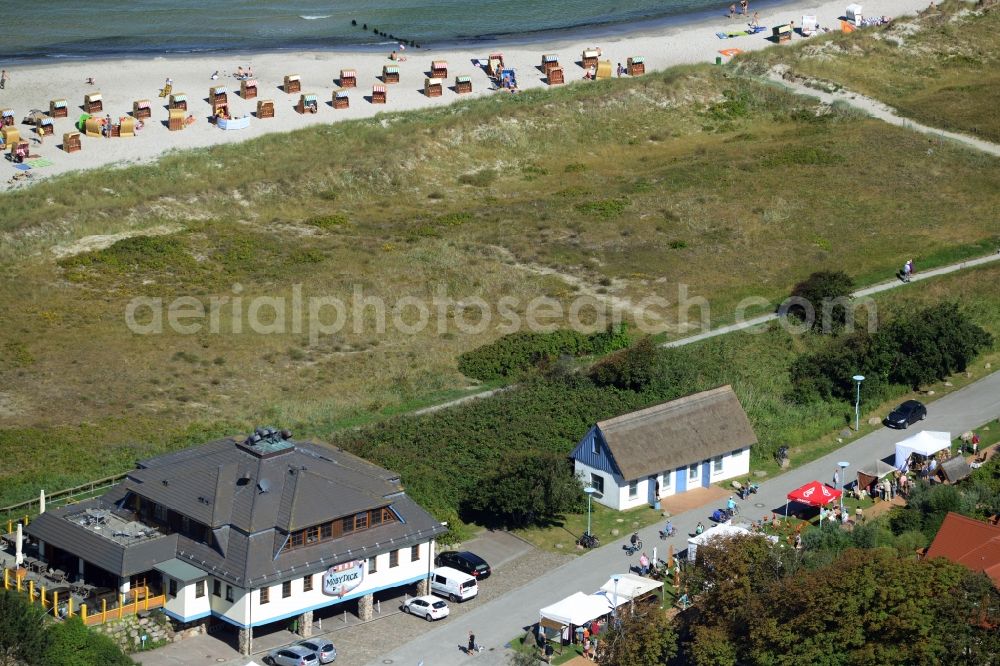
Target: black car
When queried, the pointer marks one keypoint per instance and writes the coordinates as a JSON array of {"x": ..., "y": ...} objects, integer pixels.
[
  {"x": 465, "y": 561},
  {"x": 906, "y": 414}
]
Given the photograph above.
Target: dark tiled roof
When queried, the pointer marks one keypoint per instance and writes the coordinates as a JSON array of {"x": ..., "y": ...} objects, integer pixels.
[
  {"x": 250, "y": 501},
  {"x": 678, "y": 433}
]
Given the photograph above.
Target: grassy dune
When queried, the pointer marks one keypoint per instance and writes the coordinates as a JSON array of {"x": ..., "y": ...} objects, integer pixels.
[
  {"x": 617, "y": 191},
  {"x": 940, "y": 68}
]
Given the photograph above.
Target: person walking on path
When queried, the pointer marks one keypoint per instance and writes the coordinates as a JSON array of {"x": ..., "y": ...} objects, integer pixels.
[
  {"x": 643, "y": 564},
  {"x": 836, "y": 479},
  {"x": 472, "y": 643},
  {"x": 4, "y": 78},
  {"x": 907, "y": 270}
]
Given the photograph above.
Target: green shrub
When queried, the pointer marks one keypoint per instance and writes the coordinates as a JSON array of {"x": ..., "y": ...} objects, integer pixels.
[
  {"x": 481, "y": 178},
  {"x": 824, "y": 296},
  {"x": 604, "y": 208},
  {"x": 516, "y": 353},
  {"x": 328, "y": 221}
]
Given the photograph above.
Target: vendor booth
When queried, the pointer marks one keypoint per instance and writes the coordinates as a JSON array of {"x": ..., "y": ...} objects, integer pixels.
[
  {"x": 711, "y": 534},
  {"x": 629, "y": 587},
  {"x": 877, "y": 470},
  {"x": 813, "y": 494},
  {"x": 955, "y": 469},
  {"x": 925, "y": 443}
]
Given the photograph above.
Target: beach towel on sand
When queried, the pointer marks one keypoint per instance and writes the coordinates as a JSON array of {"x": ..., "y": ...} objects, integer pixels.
[
  {"x": 731, "y": 34},
  {"x": 40, "y": 162},
  {"x": 753, "y": 30},
  {"x": 22, "y": 167}
]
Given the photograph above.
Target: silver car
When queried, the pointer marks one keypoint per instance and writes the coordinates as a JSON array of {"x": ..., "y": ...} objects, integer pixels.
[
  {"x": 324, "y": 649},
  {"x": 293, "y": 655}
]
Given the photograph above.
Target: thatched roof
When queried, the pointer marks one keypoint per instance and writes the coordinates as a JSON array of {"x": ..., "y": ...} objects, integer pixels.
[{"x": 677, "y": 433}]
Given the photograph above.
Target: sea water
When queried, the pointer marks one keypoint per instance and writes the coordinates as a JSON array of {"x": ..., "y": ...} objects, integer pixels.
[{"x": 102, "y": 28}]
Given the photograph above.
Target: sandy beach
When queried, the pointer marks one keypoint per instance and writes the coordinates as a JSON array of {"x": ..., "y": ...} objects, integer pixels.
[{"x": 123, "y": 81}]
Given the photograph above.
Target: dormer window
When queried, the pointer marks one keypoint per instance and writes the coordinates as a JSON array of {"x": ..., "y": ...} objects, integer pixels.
[{"x": 340, "y": 527}]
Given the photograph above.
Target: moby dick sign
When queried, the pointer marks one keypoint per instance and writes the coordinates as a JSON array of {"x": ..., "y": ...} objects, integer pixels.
[{"x": 342, "y": 578}]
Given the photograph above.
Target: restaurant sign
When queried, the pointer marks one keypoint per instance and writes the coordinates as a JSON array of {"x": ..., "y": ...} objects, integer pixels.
[{"x": 342, "y": 578}]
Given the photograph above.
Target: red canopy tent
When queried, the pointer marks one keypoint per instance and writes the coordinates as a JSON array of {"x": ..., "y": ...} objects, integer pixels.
[{"x": 813, "y": 493}]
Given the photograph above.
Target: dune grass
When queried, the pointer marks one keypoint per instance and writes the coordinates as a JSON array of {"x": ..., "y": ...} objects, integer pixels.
[
  {"x": 939, "y": 68},
  {"x": 616, "y": 191}
]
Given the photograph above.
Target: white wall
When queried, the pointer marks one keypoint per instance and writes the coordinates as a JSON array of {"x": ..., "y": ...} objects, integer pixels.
[{"x": 186, "y": 605}]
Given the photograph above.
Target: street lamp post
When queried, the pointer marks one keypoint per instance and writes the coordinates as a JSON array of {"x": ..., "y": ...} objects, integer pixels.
[
  {"x": 843, "y": 481},
  {"x": 590, "y": 490},
  {"x": 614, "y": 611},
  {"x": 857, "y": 402}
]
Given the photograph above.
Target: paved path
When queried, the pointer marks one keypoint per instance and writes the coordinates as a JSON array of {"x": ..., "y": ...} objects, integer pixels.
[
  {"x": 878, "y": 110},
  {"x": 502, "y": 619}
]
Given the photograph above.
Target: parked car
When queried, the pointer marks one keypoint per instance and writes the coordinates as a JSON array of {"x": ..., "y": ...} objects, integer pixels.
[
  {"x": 465, "y": 561},
  {"x": 324, "y": 649},
  {"x": 454, "y": 584},
  {"x": 293, "y": 655},
  {"x": 906, "y": 414},
  {"x": 427, "y": 607}
]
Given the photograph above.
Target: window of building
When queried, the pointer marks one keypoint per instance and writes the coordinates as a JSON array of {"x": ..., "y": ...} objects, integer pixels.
[
  {"x": 326, "y": 531},
  {"x": 216, "y": 588},
  {"x": 372, "y": 565},
  {"x": 597, "y": 481},
  {"x": 229, "y": 592},
  {"x": 667, "y": 478},
  {"x": 347, "y": 524},
  {"x": 296, "y": 539},
  {"x": 199, "y": 589},
  {"x": 633, "y": 489},
  {"x": 595, "y": 446},
  {"x": 312, "y": 535},
  {"x": 286, "y": 589},
  {"x": 415, "y": 553},
  {"x": 160, "y": 512},
  {"x": 172, "y": 588},
  {"x": 376, "y": 518},
  {"x": 265, "y": 595},
  {"x": 717, "y": 465},
  {"x": 361, "y": 521},
  {"x": 394, "y": 559},
  {"x": 307, "y": 583},
  {"x": 693, "y": 471}
]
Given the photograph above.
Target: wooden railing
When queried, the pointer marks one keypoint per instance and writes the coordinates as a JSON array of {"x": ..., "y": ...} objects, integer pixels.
[{"x": 59, "y": 498}]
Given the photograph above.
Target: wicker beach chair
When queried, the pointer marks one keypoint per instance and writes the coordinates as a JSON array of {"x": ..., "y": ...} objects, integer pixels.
[
  {"x": 590, "y": 57},
  {"x": 433, "y": 87},
  {"x": 175, "y": 121},
  {"x": 348, "y": 78},
  {"x": 92, "y": 127},
  {"x": 7, "y": 118},
  {"x": 636, "y": 66},
  {"x": 463, "y": 84},
  {"x": 293, "y": 84},
  {"x": 378, "y": 94},
  {"x": 71, "y": 142},
  {"x": 439, "y": 69},
  {"x": 604, "y": 70},
  {"x": 340, "y": 99},
  {"x": 308, "y": 103},
  {"x": 126, "y": 127},
  {"x": 248, "y": 88},
  {"x": 217, "y": 94},
  {"x": 93, "y": 102},
  {"x": 178, "y": 101},
  {"x": 555, "y": 76},
  {"x": 549, "y": 61},
  {"x": 390, "y": 74},
  {"x": 265, "y": 108},
  {"x": 142, "y": 109},
  {"x": 58, "y": 108}
]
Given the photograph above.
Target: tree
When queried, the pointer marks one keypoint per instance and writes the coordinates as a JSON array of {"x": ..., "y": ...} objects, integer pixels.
[
  {"x": 73, "y": 644},
  {"x": 642, "y": 636},
  {"x": 824, "y": 297},
  {"x": 22, "y": 629},
  {"x": 530, "y": 489}
]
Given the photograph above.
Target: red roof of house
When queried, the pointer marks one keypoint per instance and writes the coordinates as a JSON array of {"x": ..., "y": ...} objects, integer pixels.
[{"x": 971, "y": 543}]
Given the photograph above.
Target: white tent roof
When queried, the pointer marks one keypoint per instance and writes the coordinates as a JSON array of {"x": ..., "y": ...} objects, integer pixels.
[
  {"x": 717, "y": 531},
  {"x": 877, "y": 469},
  {"x": 577, "y": 609},
  {"x": 925, "y": 442},
  {"x": 629, "y": 587}
]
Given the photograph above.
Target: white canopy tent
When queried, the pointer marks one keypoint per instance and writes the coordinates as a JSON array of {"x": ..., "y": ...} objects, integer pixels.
[
  {"x": 576, "y": 609},
  {"x": 629, "y": 587},
  {"x": 710, "y": 534},
  {"x": 925, "y": 443}
]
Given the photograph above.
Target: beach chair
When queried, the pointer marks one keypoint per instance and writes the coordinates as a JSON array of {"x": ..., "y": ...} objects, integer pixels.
[
  {"x": 48, "y": 125},
  {"x": 348, "y": 78},
  {"x": 549, "y": 61},
  {"x": 340, "y": 99},
  {"x": 308, "y": 103},
  {"x": 220, "y": 109},
  {"x": 604, "y": 70},
  {"x": 439, "y": 69},
  {"x": 378, "y": 94},
  {"x": 809, "y": 26},
  {"x": 390, "y": 74},
  {"x": 433, "y": 87},
  {"x": 178, "y": 101},
  {"x": 217, "y": 94},
  {"x": 175, "y": 121},
  {"x": 590, "y": 57},
  {"x": 166, "y": 90},
  {"x": 93, "y": 127},
  {"x": 248, "y": 88},
  {"x": 10, "y": 134},
  {"x": 293, "y": 84},
  {"x": 71, "y": 142},
  {"x": 126, "y": 126},
  {"x": 636, "y": 66},
  {"x": 58, "y": 108},
  {"x": 142, "y": 109},
  {"x": 7, "y": 118},
  {"x": 555, "y": 76},
  {"x": 265, "y": 108},
  {"x": 781, "y": 33},
  {"x": 19, "y": 151},
  {"x": 93, "y": 103},
  {"x": 463, "y": 84},
  {"x": 853, "y": 14},
  {"x": 494, "y": 64}
]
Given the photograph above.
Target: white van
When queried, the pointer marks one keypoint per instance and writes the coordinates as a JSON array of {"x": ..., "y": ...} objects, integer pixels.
[{"x": 452, "y": 583}]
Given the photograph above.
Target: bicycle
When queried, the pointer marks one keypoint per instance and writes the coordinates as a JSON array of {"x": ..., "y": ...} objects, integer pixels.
[
  {"x": 589, "y": 541},
  {"x": 635, "y": 546}
]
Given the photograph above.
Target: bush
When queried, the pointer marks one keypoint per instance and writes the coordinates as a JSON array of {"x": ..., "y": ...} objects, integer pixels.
[
  {"x": 512, "y": 355},
  {"x": 824, "y": 298}
]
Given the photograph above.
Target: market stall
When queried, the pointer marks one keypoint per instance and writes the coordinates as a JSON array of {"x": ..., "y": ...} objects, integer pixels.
[{"x": 925, "y": 443}]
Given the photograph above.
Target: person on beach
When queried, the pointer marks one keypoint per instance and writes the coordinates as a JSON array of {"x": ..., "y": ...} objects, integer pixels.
[
  {"x": 40, "y": 130},
  {"x": 91, "y": 81},
  {"x": 732, "y": 11},
  {"x": 4, "y": 78},
  {"x": 249, "y": 71},
  {"x": 621, "y": 70},
  {"x": 756, "y": 20},
  {"x": 215, "y": 75},
  {"x": 239, "y": 73},
  {"x": 745, "y": 7}
]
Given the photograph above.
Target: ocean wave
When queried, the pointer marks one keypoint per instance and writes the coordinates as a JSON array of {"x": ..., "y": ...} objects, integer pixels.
[{"x": 314, "y": 18}]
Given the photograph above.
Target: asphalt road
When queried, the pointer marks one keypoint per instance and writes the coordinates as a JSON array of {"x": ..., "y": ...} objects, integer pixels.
[{"x": 500, "y": 620}]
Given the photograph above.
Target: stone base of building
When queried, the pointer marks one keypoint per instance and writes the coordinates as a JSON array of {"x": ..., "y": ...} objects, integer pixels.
[
  {"x": 305, "y": 623},
  {"x": 244, "y": 640},
  {"x": 366, "y": 607}
]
